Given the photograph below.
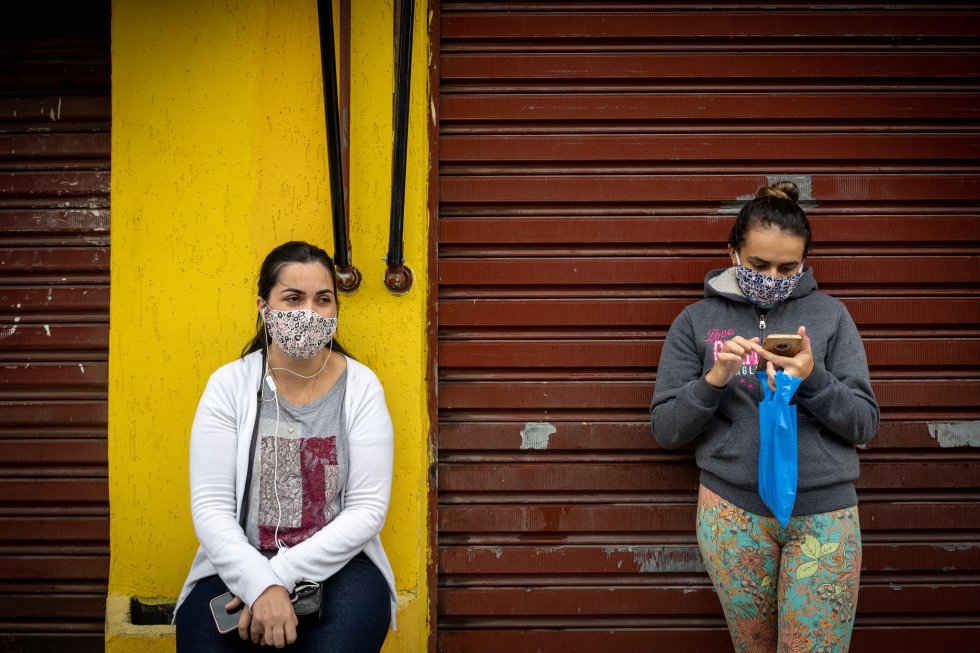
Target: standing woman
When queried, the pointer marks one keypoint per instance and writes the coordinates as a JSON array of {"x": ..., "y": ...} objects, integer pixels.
[
  {"x": 305, "y": 427},
  {"x": 794, "y": 586}
]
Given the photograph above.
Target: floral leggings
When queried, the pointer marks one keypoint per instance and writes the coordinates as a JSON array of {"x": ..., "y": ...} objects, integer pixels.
[{"x": 791, "y": 589}]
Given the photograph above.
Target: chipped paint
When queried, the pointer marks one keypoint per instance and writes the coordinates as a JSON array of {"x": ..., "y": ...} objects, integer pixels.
[
  {"x": 956, "y": 434},
  {"x": 803, "y": 182},
  {"x": 82, "y": 368},
  {"x": 732, "y": 207},
  {"x": 959, "y": 547},
  {"x": 47, "y": 330},
  {"x": 473, "y": 552},
  {"x": 661, "y": 559},
  {"x": 535, "y": 435}
]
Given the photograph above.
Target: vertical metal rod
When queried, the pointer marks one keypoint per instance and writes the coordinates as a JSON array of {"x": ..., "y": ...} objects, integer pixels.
[
  {"x": 398, "y": 277},
  {"x": 343, "y": 87},
  {"x": 348, "y": 278}
]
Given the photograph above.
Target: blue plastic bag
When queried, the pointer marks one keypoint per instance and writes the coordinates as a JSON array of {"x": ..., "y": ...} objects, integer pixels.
[{"x": 777, "y": 445}]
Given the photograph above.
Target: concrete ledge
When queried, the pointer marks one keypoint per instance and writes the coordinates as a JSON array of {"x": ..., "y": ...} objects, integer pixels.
[{"x": 122, "y": 636}]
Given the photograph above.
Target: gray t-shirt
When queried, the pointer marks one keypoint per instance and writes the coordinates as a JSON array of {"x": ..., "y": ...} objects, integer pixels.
[{"x": 302, "y": 494}]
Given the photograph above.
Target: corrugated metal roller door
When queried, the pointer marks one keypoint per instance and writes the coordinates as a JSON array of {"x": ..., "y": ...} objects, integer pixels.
[
  {"x": 590, "y": 165},
  {"x": 54, "y": 322}
]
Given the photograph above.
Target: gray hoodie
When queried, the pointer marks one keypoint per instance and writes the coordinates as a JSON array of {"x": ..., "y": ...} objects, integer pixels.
[{"x": 836, "y": 407}]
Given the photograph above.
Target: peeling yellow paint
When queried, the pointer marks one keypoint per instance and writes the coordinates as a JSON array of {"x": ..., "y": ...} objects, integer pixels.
[{"x": 219, "y": 154}]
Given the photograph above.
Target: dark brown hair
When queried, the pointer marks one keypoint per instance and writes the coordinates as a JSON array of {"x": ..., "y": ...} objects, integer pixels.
[{"x": 774, "y": 206}]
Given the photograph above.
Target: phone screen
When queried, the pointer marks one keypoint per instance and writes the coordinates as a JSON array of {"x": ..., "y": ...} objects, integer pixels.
[{"x": 224, "y": 620}]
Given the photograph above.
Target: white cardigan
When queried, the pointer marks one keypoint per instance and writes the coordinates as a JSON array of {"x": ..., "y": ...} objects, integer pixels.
[{"x": 220, "y": 440}]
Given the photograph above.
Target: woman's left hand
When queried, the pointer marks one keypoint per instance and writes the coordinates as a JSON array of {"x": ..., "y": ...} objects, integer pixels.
[
  {"x": 799, "y": 366},
  {"x": 273, "y": 620}
]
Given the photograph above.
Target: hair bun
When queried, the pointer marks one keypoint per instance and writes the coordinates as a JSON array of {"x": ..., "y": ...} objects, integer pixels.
[{"x": 784, "y": 189}]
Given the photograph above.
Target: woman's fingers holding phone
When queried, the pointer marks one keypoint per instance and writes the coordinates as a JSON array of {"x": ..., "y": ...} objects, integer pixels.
[
  {"x": 800, "y": 365},
  {"x": 730, "y": 358},
  {"x": 805, "y": 344},
  {"x": 771, "y": 374},
  {"x": 803, "y": 361},
  {"x": 745, "y": 345},
  {"x": 244, "y": 621}
]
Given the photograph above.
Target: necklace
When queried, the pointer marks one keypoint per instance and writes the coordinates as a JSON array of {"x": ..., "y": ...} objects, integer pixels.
[
  {"x": 291, "y": 425},
  {"x": 291, "y": 422}
]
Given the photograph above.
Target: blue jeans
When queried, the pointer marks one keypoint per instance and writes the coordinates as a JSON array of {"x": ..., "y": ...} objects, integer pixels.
[{"x": 356, "y": 614}]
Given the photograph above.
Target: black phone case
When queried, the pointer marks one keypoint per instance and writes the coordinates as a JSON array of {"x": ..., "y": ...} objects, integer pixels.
[{"x": 224, "y": 620}]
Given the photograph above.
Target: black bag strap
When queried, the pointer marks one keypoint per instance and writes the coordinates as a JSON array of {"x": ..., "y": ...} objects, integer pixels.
[{"x": 251, "y": 447}]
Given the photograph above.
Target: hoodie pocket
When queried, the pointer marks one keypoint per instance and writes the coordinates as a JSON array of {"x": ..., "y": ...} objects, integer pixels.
[
  {"x": 732, "y": 453},
  {"x": 823, "y": 458}
]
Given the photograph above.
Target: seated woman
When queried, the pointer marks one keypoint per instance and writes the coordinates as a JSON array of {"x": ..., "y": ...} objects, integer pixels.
[{"x": 290, "y": 470}]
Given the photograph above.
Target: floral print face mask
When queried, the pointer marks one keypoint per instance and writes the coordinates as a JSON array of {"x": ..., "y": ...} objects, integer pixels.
[
  {"x": 300, "y": 333},
  {"x": 763, "y": 290}
]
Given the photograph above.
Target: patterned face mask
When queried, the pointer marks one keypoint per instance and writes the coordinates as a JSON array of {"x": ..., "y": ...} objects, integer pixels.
[
  {"x": 300, "y": 333},
  {"x": 761, "y": 289}
]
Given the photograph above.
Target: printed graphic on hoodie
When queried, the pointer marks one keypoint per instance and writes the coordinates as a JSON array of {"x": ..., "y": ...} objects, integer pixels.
[{"x": 716, "y": 339}]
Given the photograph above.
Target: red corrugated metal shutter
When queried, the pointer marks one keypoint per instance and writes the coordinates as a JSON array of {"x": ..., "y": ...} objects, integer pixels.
[
  {"x": 591, "y": 157},
  {"x": 54, "y": 322}
]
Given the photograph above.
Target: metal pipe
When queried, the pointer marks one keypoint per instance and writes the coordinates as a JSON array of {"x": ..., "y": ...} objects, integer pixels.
[
  {"x": 348, "y": 277},
  {"x": 398, "y": 276}
]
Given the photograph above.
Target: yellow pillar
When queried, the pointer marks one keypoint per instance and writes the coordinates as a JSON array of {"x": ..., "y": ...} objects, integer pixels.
[{"x": 218, "y": 155}]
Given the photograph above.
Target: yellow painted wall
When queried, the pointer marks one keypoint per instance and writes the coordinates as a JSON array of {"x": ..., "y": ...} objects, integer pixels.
[{"x": 218, "y": 155}]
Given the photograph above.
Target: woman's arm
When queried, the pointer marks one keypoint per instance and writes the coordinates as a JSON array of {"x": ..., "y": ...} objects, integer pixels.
[
  {"x": 365, "y": 500},
  {"x": 683, "y": 401},
  {"x": 839, "y": 394},
  {"x": 213, "y": 471}
]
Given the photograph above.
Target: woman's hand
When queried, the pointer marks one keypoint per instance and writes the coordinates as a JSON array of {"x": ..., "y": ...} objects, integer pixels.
[
  {"x": 799, "y": 366},
  {"x": 730, "y": 359},
  {"x": 272, "y": 620}
]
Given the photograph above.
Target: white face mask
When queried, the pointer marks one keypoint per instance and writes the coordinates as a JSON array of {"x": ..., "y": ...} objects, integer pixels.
[
  {"x": 300, "y": 333},
  {"x": 763, "y": 290}
]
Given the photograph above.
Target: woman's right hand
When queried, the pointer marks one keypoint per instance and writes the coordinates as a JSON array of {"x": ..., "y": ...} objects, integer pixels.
[
  {"x": 730, "y": 359},
  {"x": 272, "y": 620}
]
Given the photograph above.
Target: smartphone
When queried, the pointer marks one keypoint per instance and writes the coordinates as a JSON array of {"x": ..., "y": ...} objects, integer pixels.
[
  {"x": 224, "y": 620},
  {"x": 783, "y": 344}
]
